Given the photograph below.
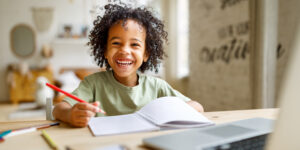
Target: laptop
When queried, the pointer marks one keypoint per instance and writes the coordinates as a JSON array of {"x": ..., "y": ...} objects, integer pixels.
[
  {"x": 225, "y": 136},
  {"x": 249, "y": 133}
]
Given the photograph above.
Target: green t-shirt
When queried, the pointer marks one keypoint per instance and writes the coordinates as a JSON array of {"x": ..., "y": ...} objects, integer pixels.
[{"x": 116, "y": 98}]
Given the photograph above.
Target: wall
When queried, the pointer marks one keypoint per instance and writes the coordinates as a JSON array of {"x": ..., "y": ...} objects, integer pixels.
[
  {"x": 13, "y": 12},
  {"x": 220, "y": 72},
  {"x": 219, "y": 54},
  {"x": 288, "y": 21}
]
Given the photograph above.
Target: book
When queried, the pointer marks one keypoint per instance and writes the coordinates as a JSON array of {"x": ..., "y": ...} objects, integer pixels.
[{"x": 161, "y": 113}]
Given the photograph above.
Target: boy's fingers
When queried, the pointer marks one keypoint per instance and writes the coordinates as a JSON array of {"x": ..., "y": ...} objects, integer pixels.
[
  {"x": 96, "y": 103},
  {"x": 85, "y": 113},
  {"x": 83, "y": 119},
  {"x": 80, "y": 124},
  {"x": 86, "y": 106}
]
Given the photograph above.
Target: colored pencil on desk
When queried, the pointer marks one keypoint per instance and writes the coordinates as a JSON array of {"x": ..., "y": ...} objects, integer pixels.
[
  {"x": 5, "y": 133},
  {"x": 69, "y": 95},
  {"x": 14, "y": 132},
  {"x": 49, "y": 140},
  {"x": 43, "y": 126},
  {"x": 23, "y": 131}
]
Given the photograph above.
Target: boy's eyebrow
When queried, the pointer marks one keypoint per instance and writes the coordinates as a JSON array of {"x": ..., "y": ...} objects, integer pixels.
[
  {"x": 120, "y": 38},
  {"x": 114, "y": 38},
  {"x": 136, "y": 40}
]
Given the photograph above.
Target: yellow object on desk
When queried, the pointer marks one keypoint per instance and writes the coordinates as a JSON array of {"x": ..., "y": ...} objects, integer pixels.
[{"x": 49, "y": 140}]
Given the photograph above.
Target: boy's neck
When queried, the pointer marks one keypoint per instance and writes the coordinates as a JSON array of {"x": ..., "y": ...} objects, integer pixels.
[{"x": 128, "y": 81}]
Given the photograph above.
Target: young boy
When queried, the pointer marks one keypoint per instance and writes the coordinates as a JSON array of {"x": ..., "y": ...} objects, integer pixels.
[{"x": 124, "y": 40}]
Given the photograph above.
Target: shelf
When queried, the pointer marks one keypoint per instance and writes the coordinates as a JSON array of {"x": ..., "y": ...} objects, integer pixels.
[{"x": 70, "y": 41}]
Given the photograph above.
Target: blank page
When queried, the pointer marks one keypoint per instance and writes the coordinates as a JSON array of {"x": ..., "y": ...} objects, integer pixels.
[
  {"x": 120, "y": 124},
  {"x": 172, "y": 110}
]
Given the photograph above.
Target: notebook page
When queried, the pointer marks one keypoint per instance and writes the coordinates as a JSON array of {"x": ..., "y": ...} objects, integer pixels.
[
  {"x": 167, "y": 111},
  {"x": 119, "y": 125}
]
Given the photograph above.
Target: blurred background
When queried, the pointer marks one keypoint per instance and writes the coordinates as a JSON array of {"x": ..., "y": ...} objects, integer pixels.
[{"x": 225, "y": 54}]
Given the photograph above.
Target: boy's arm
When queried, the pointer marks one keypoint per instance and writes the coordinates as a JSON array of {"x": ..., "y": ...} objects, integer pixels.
[
  {"x": 78, "y": 115},
  {"x": 61, "y": 111},
  {"x": 196, "y": 106}
]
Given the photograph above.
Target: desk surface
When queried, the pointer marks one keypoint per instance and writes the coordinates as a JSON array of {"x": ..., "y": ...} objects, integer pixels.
[{"x": 81, "y": 138}]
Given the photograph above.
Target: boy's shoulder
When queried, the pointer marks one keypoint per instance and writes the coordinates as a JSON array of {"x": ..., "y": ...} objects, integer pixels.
[{"x": 150, "y": 78}]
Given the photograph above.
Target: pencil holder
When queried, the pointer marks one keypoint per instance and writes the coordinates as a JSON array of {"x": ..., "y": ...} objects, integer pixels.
[{"x": 49, "y": 109}]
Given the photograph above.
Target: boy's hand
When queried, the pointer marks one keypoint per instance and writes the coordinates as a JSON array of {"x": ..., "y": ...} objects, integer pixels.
[
  {"x": 81, "y": 113},
  {"x": 196, "y": 106}
]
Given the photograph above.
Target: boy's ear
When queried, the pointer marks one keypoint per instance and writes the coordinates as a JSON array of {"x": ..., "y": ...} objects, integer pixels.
[
  {"x": 105, "y": 54},
  {"x": 146, "y": 56}
]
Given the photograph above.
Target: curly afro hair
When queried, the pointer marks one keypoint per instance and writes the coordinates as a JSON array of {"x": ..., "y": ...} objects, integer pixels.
[{"x": 155, "y": 34}]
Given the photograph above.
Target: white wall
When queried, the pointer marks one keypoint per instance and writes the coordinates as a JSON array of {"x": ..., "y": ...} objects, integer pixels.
[{"x": 13, "y": 12}]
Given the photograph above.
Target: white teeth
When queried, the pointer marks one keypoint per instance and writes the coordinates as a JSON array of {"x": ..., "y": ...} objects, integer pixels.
[{"x": 124, "y": 62}]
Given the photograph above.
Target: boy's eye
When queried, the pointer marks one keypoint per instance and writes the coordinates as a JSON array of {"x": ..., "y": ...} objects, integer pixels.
[
  {"x": 135, "y": 44},
  {"x": 116, "y": 43}
]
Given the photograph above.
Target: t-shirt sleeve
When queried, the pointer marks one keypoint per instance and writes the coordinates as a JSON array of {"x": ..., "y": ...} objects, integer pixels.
[
  {"x": 84, "y": 91},
  {"x": 166, "y": 90}
]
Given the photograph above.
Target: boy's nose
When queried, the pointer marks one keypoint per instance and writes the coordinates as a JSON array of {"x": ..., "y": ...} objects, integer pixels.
[{"x": 125, "y": 49}]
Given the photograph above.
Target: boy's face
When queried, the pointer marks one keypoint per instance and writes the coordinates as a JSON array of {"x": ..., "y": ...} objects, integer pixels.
[{"x": 126, "y": 48}]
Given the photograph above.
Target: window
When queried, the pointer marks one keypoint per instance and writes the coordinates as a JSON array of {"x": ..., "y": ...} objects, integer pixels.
[{"x": 182, "y": 38}]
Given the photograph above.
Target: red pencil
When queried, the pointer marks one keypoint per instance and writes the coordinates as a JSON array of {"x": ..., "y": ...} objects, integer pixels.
[{"x": 69, "y": 95}]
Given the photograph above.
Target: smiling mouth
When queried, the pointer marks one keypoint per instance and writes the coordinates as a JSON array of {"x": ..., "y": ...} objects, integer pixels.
[{"x": 124, "y": 63}]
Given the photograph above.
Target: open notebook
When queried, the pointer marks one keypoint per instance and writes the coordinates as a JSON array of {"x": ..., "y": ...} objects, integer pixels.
[{"x": 165, "y": 112}]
